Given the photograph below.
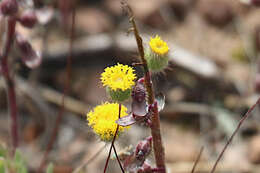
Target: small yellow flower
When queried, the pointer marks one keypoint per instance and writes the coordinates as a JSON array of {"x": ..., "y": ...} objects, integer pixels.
[
  {"x": 158, "y": 46},
  {"x": 103, "y": 120},
  {"x": 118, "y": 77}
]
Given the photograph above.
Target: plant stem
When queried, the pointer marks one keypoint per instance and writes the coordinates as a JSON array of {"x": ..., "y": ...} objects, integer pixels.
[
  {"x": 234, "y": 133},
  {"x": 197, "y": 160},
  {"x": 112, "y": 145},
  {"x": 109, "y": 153},
  {"x": 12, "y": 106},
  {"x": 65, "y": 92},
  {"x": 118, "y": 160},
  {"x": 155, "y": 127}
]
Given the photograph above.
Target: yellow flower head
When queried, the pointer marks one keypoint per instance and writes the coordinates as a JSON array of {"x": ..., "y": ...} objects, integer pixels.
[
  {"x": 103, "y": 120},
  {"x": 158, "y": 46},
  {"x": 118, "y": 77}
]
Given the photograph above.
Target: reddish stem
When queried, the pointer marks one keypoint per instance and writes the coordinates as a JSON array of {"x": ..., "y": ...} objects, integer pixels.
[
  {"x": 109, "y": 153},
  {"x": 155, "y": 127},
  {"x": 11, "y": 23},
  {"x": 118, "y": 160},
  {"x": 112, "y": 146},
  {"x": 233, "y": 134},
  {"x": 65, "y": 92},
  {"x": 197, "y": 160}
]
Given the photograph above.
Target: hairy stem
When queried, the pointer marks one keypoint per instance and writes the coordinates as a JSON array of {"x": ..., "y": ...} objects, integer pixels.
[
  {"x": 12, "y": 106},
  {"x": 155, "y": 127}
]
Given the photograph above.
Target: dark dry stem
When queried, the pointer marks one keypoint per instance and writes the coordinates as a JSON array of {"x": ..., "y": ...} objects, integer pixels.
[
  {"x": 155, "y": 127},
  {"x": 112, "y": 145},
  {"x": 197, "y": 160},
  {"x": 234, "y": 133},
  {"x": 65, "y": 92},
  {"x": 12, "y": 106},
  {"x": 118, "y": 160},
  {"x": 109, "y": 153}
]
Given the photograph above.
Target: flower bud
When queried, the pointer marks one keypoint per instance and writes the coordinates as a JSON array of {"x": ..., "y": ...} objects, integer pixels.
[
  {"x": 8, "y": 7},
  {"x": 143, "y": 149},
  {"x": 28, "y": 19},
  {"x": 138, "y": 100},
  {"x": 145, "y": 168},
  {"x": 156, "y": 54},
  {"x": 30, "y": 57}
]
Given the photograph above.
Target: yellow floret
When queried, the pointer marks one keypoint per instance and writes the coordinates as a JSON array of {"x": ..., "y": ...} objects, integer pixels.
[
  {"x": 158, "y": 46},
  {"x": 118, "y": 77},
  {"x": 102, "y": 120}
]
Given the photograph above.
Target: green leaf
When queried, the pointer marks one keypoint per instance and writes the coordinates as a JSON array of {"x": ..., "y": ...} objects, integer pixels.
[{"x": 50, "y": 168}]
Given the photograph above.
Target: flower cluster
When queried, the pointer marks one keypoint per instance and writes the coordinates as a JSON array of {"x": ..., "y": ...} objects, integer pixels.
[
  {"x": 102, "y": 120},
  {"x": 118, "y": 81}
]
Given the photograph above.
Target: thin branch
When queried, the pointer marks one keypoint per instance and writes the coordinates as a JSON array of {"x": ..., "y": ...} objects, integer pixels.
[
  {"x": 234, "y": 133},
  {"x": 65, "y": 92},
  {"x": 197, "y": 160},
  {"x": 118, "y": 160},
  {"x": 112, "y": 144},
  {"x": 11, "y": 24}
]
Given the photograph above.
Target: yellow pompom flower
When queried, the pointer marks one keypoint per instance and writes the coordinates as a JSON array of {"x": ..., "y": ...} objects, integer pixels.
[
  {"x": 156, "y": 54},
  {"x": 119, "y": 79},
  {"x": 158, "y": 46},
  {"x": 103, "y": 120}
]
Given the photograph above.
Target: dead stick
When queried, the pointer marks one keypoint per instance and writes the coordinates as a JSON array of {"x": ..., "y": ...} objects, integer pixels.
[
  {"x": 234, "y": 133},
  {"x": 197, "y": 160}
]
